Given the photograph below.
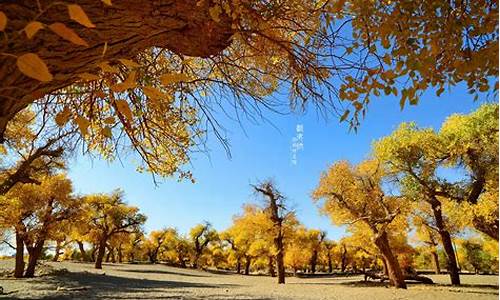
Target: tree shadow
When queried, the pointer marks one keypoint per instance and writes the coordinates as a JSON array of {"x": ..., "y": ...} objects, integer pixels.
[
  {"x": 164, "y": 272},
  {"x": 463, "y": 288},
  {"x": 85, "y": 285}
]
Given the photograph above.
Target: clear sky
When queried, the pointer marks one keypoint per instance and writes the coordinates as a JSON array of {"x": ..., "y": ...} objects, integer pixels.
[{"x": 261, "y": 151}]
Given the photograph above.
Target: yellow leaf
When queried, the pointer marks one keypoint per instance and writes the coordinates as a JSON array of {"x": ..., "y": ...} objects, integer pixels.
[
  {"x": 63, "y": 117},
  {"x": 173, "y": 78},
  {"x": 106, "y": 131},
  {"x": 153, "y": 93},
  {"x": 105, "y": 67},
  {"x": 357, "y": 105},
  {"x": 100, "y": 94},
  {"x": 88, "y": 77},
  {"x": 32, "y": 28},
  {"x": 344, "y": 115},
  {"x": 107, "y": 2},
  {"x": 77, "y": 14},
  {"x": 3, "y": 21},
  {"x": 33, "y": 66},
  {"x": 110, "y": 120},
  {"x": 129, "y": 83},
  {"x": 124, "y": 109},
  {"x": 67, "y": 33},
  {"x": 129, "y": 63},
  {"x": 83, "y": 124}
]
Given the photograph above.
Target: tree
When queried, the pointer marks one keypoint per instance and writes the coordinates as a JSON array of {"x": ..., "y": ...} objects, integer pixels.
[
  {"x": 469, "y": 143},
  {"x": 157, "y": 240},
  {"x": 329, "y": 246},
  {"x": 108, "y": 216},
  {"x": 429, "y": 236},
  {"x": 475, "y": 257},
  {"x": 244, "y": 231},
  {"x": 279, "y": 214},
  {"x": 35, "y": 213},
  {"x": 316, "y": 238},
  {"x": 237, "y": 49},
  {"x": 353, "y": 194},
  {"x": 410, "y": 153},
  {"x": 201, "y": 235}
]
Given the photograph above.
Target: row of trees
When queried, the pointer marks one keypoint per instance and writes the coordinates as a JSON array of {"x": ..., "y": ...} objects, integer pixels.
[
  {"x": 441, "y": 181},
  {"x": 405, "y": 184}
]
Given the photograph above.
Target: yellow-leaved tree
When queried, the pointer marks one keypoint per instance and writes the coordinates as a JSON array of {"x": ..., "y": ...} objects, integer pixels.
[
  {"x": 108, "y": 216},
  {"x": 149, "y": 78},
  {"x": 353, "y": 194},
  {"x": 34, "y": 212}
]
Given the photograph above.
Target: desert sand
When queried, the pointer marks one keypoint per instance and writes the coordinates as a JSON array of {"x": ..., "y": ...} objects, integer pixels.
[{"x": 73, "y": 280}]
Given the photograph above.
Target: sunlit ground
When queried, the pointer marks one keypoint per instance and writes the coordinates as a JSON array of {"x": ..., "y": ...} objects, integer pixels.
[{"x": 145, "y": 281}]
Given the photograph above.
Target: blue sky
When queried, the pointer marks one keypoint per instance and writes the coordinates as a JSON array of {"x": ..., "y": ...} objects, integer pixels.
[{"x": 261, "y": 151}]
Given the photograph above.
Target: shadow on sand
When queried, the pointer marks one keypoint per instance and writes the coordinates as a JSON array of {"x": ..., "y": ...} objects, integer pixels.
[
  {"x": 464, "y": 288},
  {"x": 164, "y": 272},
  {"x": 85, "y": 285}
]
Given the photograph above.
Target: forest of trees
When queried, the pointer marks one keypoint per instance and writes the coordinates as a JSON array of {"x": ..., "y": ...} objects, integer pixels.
[
  {"x": 433, "y": 222},
  {"x": 105, "y": 78}
]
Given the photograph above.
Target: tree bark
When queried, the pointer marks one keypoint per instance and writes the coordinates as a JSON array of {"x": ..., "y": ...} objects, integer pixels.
[
  {"x": 19, "y": 268},
  {"x": 34, "y": 255},
  {"x": 238, "y": 266},
  {"x": 394, "y": 270},
  {"x": 452, "y": 267},
  {"x": 490, "y": 228},
  {"x": 100, "y": 253},
  {"x": 248, "y": 260},
  {"x": 280, "y": 264},
  {"x": 343, "y": 260},
  {"x": 330, "y": 265},
  {"x": 127, "y": 27},
  {"x": 57, "y": 251},
  {"x": 314, "y": 260},
  {"x": 120, "y": 253},
  {"x": 435, "y": 259},
  {"x": 82, "y": 251}
]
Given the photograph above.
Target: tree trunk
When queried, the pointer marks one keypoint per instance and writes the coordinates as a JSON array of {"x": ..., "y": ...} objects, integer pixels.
[
  {"x": 278, "y": 241},
  {"x": 330, "y": 266},
  {"x": 120, "y": 253},
  {"x": 108, "y": 255},
  {"x": 238, "y": 266},
  {"x": 452, "y": 267},
  {"x": 487, "y": 227},
  {"x": 394, "y": 270},
  {"x": 384, "y": 265},
  {"x": 314, "y": 260},
  {"x": 100, "y": 253},
  {"x": 57, "y": 252},
  {"x": 82, "y": 251},
  {"x": 34, "y": 255},
  {"x": 128, "y": 27},
  {"x": 19, "y": 268},
  {"x": 270, "y": 265},
  {"x": 113, "y": 256},
  {"x": 93, "y": 252},
  {"x": 248, "y": 260},
  {"x": 435, "y": 259},
  {"x": 343, "y": 261}
]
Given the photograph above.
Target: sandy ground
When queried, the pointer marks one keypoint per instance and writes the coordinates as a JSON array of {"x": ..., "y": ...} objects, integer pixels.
[{"x": 143, "y": 281}]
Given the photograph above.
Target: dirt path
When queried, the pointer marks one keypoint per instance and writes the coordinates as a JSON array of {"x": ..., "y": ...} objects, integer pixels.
[{"x": 143, "y": 281}]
